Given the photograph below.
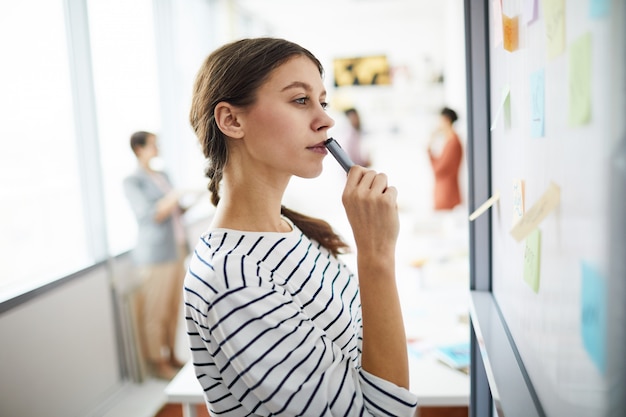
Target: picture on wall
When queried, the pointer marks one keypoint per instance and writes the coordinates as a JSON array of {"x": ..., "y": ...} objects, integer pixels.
[{"x": 367, "y": 70}]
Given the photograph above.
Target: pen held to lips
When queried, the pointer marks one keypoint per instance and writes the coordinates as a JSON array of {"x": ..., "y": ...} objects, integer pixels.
[{"x": 340, "y": 155}]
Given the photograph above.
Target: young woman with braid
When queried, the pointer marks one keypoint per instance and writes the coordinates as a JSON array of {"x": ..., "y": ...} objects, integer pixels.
[{"x": 278, "y": 325}]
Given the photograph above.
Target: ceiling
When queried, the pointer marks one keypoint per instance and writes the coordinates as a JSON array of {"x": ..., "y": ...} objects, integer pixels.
[{"x": 345, "y": 15}]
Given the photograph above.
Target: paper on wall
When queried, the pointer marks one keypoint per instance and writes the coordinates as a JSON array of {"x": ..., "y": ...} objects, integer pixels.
[{"x": 539, "y": 211}]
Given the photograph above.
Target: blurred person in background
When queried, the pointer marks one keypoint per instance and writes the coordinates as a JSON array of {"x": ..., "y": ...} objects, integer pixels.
[
  {"x": 445, "y": 153},
  {"x": 159, "y": 256},
  {"x": 354, "y": 140}
]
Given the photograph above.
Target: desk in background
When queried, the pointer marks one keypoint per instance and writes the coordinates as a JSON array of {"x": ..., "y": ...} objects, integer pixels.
[
  {"x": 435, "y": 301},
  {"x": 435, "y": 384}
]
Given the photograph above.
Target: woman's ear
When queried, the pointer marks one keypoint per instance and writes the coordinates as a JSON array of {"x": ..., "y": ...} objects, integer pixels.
[{"x": 226, "y": 119}]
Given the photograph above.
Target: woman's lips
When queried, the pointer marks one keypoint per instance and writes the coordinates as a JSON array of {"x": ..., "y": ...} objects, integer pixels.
[{"x": 319, "y": 148}]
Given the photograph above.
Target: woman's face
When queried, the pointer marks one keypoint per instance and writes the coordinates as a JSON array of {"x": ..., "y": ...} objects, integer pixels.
[
  {"x": 285, "y": 129},
  {"x": 149, "y": 150},
  {"x": 444, "y": 122}
]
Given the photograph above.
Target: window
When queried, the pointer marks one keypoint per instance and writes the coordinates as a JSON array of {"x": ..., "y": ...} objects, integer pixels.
[
  {"x": 41, "y": 213},
  {"x": 127, "y": 100}
]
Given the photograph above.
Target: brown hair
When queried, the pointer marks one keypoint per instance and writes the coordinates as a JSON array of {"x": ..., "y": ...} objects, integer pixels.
[
  {"x": 139, "y": 139},
  {"x": 450, "y": 114},
  {"x": 233, "y": 73}
]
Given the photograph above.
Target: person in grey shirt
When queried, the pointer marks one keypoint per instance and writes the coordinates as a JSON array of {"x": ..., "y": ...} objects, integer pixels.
[{"x": 159, "y": 256}]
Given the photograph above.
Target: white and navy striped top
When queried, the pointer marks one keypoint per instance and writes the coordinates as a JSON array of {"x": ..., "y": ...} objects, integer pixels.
[{"x": 274, "y": 323}]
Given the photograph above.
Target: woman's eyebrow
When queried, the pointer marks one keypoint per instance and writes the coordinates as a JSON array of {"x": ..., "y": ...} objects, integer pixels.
[
  {"x": 303, "y": 85},
  {"x": 297, "y": 84}
]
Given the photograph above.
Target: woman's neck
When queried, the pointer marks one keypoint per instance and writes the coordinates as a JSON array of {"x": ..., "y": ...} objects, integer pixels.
[
  {"x": 237, "y": 216},
  {"x": 250, "y": 206},
  {"x": 145, "y": 165}
]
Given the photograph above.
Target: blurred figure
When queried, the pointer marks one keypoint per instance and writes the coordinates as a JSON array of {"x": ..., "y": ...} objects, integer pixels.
[
  {"x": 446, "y": 163},
  {"x": 354, "y": 140},
  {"x": 159, "y": 255}
]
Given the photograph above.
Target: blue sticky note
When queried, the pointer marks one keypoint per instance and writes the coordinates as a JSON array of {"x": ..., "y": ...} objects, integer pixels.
[
  {"x": 537, "y": 103},
  {"x": 593, "y": 314},
  {"x": 599, "y": 8}
]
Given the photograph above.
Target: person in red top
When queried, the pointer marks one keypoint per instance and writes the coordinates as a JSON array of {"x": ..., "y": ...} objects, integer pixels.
[{"x": 446, "y": 164}]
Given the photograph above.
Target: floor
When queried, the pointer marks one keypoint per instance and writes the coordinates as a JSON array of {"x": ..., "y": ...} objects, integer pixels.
[{"x": 432, "y": 248}]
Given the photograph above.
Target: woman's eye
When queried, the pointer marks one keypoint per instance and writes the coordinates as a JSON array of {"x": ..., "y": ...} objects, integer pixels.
[
  {"x": 301, "y": 100},
  {"x": 324, "y": 105}
]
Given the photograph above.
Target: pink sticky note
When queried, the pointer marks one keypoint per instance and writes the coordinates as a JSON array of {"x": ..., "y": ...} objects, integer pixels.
[
  {"x": 530, "y": 11},
  {"x": 497, "y": 23}
]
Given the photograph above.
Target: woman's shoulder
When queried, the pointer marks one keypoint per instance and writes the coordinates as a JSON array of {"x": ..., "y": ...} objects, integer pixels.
[
  {"x": 258, "y": 246},
  {"x": 227, "y": 264}
]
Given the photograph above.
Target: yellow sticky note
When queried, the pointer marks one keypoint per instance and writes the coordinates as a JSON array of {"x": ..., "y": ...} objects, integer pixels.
[
  {"x": 518, "y": 200},
  {"x": 539, "y": 211},
  {"x": 532, "y": 265},
  {"x": 510, "y": 29},
  {"x": 554, "y": 16},
  {"x": 580, "y": 81},
  {"x": 485, "y": 206}
]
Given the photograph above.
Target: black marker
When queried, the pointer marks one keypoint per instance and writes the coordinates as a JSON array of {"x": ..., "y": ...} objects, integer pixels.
[{"x": 340, "y": 155}]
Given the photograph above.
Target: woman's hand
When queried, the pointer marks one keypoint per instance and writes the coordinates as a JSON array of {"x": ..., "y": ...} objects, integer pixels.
[
  {"x": 373, "y": 214},
  {"x": 371, "y": 207}
]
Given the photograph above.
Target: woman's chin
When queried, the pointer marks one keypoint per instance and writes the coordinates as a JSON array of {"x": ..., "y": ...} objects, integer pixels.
[{"x": 312, "y": 173}]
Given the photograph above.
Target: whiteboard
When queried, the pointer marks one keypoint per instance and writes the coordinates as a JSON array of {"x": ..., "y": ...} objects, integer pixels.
[{"x": 557, "y": 326}]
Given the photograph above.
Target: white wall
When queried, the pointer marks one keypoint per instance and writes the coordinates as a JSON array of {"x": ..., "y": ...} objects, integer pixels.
[
  {"x": 58, "y": 355},
  {"x": 421, "y": 40}
]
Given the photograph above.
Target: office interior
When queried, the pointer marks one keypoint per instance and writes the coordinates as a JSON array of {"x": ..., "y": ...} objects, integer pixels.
[
  {"x": 79, "y": 76},
  {"x": 86, "y": 74}
]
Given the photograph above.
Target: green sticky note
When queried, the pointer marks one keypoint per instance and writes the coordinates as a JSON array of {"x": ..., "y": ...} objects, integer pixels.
[
  {"x": 580, "y": 81},
  {"x": 532, "y": 259},
  {"x": 554, "y": 17},
  {"x": 504, "y": 107}
]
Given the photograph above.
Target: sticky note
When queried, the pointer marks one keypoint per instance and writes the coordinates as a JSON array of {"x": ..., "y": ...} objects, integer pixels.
[
  {"x": 599, "y": 8},
  {"x": 518, "y": 200},
  {"x": 539, "y": 211},
  {"x": 537, "y": 103},
  {"x": 532, "y": 259},
  {"x": 506, "y": 110},
  {"x": 530, "y": 11},
  {"x": 554, "y": 17},
  {"x": 510, "y": 28},
  {"x": 497, "y": 22},
  {"x": 503, "y": 107},
  {"x": 593, "y": 314},
  {"x": 485, "y": 206},
  {"x": 580, "y": 81}
]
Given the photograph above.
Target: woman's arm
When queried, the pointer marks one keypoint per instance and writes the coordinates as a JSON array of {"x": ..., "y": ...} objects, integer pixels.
[
  {"x": 255, "y": 348},
  {"x": 166, "y": 206},
  {"x": 372, "y": 211},
  {"x": 449, "y": 159}
]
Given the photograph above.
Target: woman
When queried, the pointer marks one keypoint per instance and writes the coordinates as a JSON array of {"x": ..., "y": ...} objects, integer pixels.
[
  {"x": 160, "y": 253},
  {"x": 446, "y": 165},
  {"x": 354, "y": 139},
  {"x": 276, "y": 322}
]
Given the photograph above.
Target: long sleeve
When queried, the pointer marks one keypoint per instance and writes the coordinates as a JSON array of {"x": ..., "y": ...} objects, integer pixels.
[
  {"x": 447, "y": 192},
  {"x": 449, "y": 160},
  {"x": 266, "y": 343},
  {"x": 156, "y": 241},
  {"x": 142, "y": 202}
]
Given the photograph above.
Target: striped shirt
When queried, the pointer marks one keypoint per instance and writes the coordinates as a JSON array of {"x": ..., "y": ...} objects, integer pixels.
[{"x": 274, "y": 324}]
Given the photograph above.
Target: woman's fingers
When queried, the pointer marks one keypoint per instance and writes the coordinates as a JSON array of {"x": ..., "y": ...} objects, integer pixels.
[{"x": 371, "y": 208}]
